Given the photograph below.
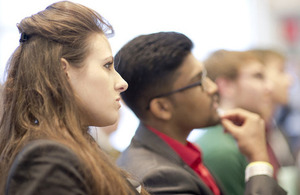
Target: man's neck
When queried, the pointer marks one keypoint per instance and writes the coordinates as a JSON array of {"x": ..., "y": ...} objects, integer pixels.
[{"x": 173, "y": 132}]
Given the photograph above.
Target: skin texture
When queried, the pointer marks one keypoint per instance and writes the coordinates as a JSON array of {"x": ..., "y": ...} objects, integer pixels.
[{"x": 97, "y": 84}]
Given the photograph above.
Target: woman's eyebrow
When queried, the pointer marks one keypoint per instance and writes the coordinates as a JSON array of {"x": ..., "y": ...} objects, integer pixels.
[{"x": 110, "y": 58}]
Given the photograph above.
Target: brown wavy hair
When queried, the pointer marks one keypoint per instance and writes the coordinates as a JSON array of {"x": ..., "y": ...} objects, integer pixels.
[{"x": 38, "y": 100}]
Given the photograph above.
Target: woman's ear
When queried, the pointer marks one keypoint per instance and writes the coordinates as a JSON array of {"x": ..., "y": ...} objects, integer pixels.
[
  {"x": 161, "y": 108},
  {"x": 65, "y": 66}
]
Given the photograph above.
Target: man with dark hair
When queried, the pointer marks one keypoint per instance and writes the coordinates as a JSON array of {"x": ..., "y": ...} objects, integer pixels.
[{"x": 171, "y": 95}]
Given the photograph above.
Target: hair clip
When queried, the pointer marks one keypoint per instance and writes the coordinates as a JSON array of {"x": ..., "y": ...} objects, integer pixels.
[{"x": 24, "y": 37}]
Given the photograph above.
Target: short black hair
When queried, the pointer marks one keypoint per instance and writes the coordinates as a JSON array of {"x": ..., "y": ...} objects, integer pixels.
[{"x": 148, "y": 63}]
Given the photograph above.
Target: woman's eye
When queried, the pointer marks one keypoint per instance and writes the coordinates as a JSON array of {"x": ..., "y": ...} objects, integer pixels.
[{"x": 108, "y": 65}]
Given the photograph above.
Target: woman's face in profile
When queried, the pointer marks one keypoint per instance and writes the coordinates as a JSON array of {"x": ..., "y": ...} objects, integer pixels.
[{"x": 97, "y": 85}]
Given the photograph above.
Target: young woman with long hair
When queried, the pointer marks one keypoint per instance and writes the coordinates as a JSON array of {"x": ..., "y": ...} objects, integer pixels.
[{"x": 60, "y": 80}]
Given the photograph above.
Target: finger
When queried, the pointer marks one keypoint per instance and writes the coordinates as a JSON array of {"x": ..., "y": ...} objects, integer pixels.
[
  {"x": 234, "y": 114},
  {"x": 230, "y": 127},
  {"x": 235, "y": 118}
]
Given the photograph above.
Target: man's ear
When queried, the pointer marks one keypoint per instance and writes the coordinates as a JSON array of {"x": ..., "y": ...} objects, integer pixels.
[
  {"x": 65, "y": 66},
  {"x": 226, "y": 87},
  {"x": 161, "y": 108}
]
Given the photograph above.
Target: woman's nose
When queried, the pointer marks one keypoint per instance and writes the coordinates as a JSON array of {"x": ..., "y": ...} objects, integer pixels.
[{"x": 121, "y": 84}]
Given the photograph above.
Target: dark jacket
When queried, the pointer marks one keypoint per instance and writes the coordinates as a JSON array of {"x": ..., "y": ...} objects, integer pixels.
[
  {"x": 48, "y": 168},
  {"x": 162, "y": 171}
]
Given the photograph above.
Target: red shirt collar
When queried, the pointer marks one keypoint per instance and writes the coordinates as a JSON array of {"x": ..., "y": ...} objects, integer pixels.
[{"x": 189, "y": 153}]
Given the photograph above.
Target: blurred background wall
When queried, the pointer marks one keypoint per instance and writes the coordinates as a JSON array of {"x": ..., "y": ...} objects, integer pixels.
[{"x": 211, "y": 24}]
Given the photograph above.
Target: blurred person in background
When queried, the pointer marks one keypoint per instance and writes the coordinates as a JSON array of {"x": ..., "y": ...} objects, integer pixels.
[
  {"x": 285, "y": 151},
  {"x": 241, "y": 84},
  {"x": 275, "y": 73}
]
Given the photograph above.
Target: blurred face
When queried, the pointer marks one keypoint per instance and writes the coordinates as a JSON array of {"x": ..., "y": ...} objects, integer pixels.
[
  {"x": 97, "y": 85},
  {"x": 252, "y": 91},
  {"x": 194, "y": 107},
  {"x": 280, "y": 80}
]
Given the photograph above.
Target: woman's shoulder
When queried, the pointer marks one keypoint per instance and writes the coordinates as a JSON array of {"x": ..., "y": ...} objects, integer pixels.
[
  {"x": 45, "y": 166},
  {"x": 45, "y": 151},
  {"x": 43, "y": 147}
]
